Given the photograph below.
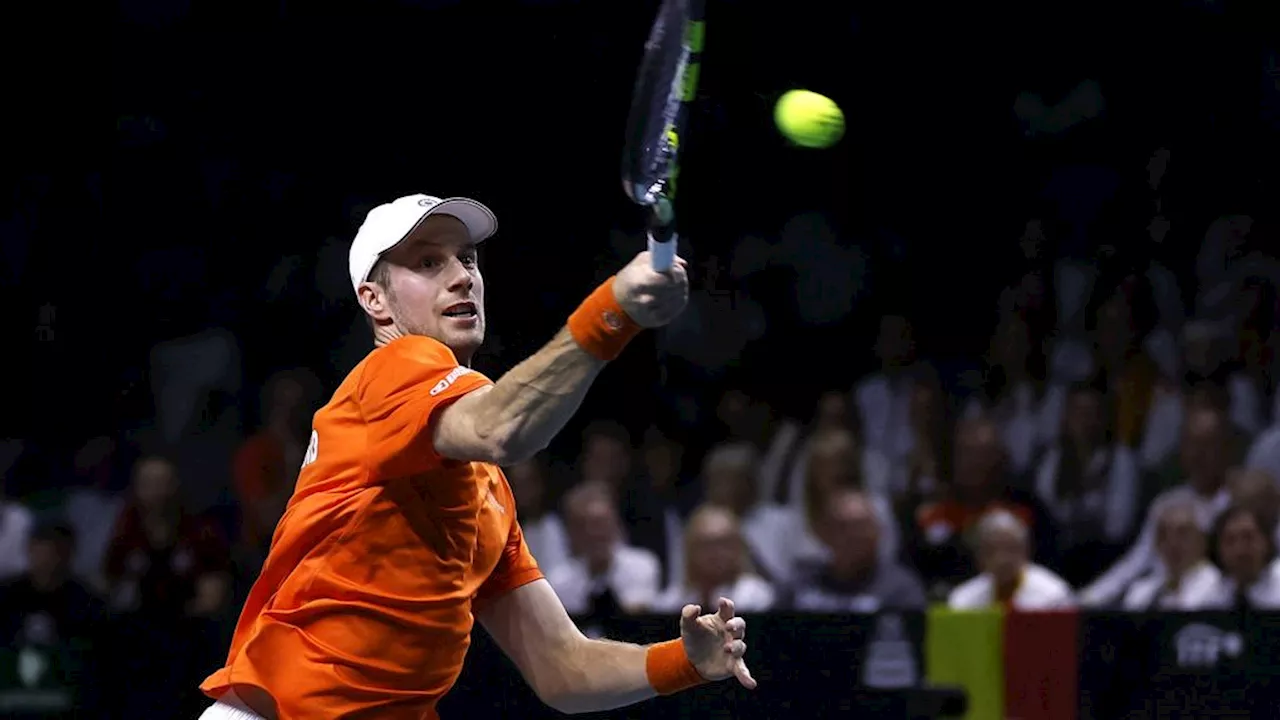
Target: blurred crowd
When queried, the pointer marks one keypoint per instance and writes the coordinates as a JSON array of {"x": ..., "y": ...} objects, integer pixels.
[
  {"x": 1114, "y": 453},
  {"x": 1120, "y": 448}
]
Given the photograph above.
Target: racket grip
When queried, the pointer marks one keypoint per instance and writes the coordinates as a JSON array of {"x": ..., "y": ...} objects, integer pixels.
[{"x": 663, "y": 253}]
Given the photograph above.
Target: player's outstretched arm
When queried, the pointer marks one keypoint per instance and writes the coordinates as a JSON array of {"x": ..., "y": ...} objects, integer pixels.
[
  {"x": 575, "y": 674},
  {"x": 520, "y": 414}
]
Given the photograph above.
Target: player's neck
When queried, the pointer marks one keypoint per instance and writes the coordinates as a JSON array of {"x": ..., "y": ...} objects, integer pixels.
[{"x": 387, "y": 334}]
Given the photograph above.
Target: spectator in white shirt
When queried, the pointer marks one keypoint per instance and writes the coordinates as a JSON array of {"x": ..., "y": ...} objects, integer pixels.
[
  {"x": 544, "y": 531},
  {"x": 1184, "y": 580},
  {"x": 728, "y": 475},
  {"x": 1090, "y": 484},
  {"x": 1008, "y": 578},
  {"x": 1205, "y": 452},
  {"x": 1245, "y": 548},
  {"x": 716, "y": 565},
  {"x": 605, "y": 577}
]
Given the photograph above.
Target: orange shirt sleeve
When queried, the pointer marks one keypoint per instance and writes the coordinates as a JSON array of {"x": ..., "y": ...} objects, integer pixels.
[
  {"x": 402, "y": 390},
  {"x": 516, "y": 568}
]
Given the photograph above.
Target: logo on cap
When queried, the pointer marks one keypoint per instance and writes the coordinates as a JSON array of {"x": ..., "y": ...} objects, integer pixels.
[{"x": 426, "y": 202}]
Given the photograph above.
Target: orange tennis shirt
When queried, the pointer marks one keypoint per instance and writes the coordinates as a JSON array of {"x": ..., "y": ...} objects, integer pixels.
[{"x": 364, "y": 606}]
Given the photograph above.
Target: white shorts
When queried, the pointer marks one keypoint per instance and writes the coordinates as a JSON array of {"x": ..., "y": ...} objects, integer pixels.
[{"x": 230, "y": 707}]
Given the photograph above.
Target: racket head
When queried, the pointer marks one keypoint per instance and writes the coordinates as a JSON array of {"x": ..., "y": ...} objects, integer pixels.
[{"x": 665, "y": 84}]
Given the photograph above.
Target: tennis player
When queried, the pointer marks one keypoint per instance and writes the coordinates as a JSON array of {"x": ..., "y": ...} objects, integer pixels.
[{"x": 401, "y": 531}]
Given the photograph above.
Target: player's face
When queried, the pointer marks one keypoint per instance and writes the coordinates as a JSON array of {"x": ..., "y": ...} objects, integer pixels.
[{"x": 436, "y": 287}]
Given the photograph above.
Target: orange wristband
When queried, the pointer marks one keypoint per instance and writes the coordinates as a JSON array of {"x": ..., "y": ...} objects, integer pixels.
[
  {"x": 669, "y": 669},
  {"x": 601, "y": 326}
]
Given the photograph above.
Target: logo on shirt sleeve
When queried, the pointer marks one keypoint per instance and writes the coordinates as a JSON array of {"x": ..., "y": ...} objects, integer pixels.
[
  {"x": 313, "y": 448},
  {"x": 449, "y": 379}
]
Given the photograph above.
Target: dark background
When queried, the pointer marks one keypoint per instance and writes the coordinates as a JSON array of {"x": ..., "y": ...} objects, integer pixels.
[{"x": 298, "y": 113}]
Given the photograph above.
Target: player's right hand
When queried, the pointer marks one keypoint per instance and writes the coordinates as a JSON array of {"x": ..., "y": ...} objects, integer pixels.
[{"x": 649, "y": 297}]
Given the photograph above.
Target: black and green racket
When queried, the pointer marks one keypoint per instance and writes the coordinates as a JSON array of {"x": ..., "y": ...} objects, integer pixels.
[{"x": 665, "y": 86}]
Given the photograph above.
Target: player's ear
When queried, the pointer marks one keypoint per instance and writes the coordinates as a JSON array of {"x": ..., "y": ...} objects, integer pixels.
[{"x": 373, "y": 300}]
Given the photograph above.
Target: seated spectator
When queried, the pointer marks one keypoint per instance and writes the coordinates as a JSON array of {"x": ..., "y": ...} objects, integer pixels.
[
  {"x": 163, "y": 560},
  {"x": 266, "y": 465},
  {"x": 654, "y": 504},
  {"x": 1121, "y": 315},
  {"x": 544, "y": 531},
  {"x": 980, "y": 483},
  {"x": 1257, "y": 489},
  {"x": 785, "y": 479},
  {"x": 1244, "y": 546},
  {"x": 608, "y": 457},
  {"x": 856, "y": 576},
  {"x": 742, "y": 417},
  {"x": 919, "y": 478},
  {"x": 16, "y": 522},
  {"x": 881, "y": 398},
  {"x": 1206, "y": 395},
  {"x": 716, "y": 565},
  {"x": 1090, "y": 485},
  {"x": 1007, "y": 577},
  {"x": 605, "y": 577},
  {"x": 1017, "y": 394},
  {"x": 48, "y": 620},
  {"x": 728, "y": 474},
  {"x": 1205, "y": 458},
  {"x": 1184, "y": 580},
  {"x": 832, "y": 463},
  {"x": 93, "y": 507}
]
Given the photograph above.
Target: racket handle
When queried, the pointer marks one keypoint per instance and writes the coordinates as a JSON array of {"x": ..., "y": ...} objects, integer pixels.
[{"x": 662, "y": 252}]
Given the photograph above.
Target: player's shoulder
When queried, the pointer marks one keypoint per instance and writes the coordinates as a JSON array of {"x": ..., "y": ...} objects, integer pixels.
[{"x": 403, "y": 358}]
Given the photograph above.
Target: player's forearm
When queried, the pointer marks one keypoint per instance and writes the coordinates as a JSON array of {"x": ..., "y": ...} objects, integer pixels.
[
  {"x": 520, "y": 414},
  {"x": 532, "y": 402},
  {"x": 599, "y": 675}
]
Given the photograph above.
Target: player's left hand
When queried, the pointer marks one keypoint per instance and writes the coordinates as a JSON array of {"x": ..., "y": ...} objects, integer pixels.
[{"x": 714, "y": 643}]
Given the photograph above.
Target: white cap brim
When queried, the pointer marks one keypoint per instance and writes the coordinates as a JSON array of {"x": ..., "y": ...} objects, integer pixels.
[{"x": 388, "y": 225}]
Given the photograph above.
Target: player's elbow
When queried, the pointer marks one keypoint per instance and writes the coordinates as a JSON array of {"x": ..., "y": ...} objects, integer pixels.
[
  {"x": 563, "y": 698},
  {"x": 558, "y": 700},
  {"x": 470, "y": 431}
]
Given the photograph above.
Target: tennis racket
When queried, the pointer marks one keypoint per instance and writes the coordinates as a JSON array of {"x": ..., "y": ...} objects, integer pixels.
[{"x": 665, "y": 87}]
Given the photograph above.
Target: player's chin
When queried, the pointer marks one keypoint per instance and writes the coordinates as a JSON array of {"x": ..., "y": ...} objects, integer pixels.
[{"x": 463, "y": 337}]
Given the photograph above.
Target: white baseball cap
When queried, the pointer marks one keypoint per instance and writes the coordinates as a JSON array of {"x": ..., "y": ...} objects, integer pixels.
[{"x": 386, "y": 225}]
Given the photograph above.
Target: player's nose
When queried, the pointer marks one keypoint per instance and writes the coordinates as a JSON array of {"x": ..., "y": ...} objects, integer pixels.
[{"x": 459, "y": 278}]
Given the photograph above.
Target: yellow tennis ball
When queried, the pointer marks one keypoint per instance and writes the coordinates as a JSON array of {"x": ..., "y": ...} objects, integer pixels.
[{"x": 809, "y": 119}]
